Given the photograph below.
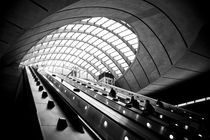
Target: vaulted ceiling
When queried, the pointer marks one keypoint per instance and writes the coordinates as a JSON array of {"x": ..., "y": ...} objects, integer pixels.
[{"x": 172, "y": 44}]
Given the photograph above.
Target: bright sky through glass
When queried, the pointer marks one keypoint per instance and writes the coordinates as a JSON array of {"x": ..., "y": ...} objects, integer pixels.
[{"x": 94, "y": 45}]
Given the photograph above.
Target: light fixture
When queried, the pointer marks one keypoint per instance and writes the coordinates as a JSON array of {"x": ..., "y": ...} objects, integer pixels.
[
  {"x": 126, "y": 138},
  {"x": 149, "y": 125},
  {"x": 200, "y": 135},
  {"x": 171, "y": 136},
  {"x": 105, "y": 124},
  {"x": 186, "y": 127},
  {"x": 85, "y": 107}
]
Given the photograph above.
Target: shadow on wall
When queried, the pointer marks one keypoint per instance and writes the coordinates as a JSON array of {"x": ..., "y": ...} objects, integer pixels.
[
  {"x": 202, "y": 43},
  {"x": 190, "y": 89}
]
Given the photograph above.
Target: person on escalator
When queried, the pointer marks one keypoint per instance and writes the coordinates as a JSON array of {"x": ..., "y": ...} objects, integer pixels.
[
  {"x": 148, "y": 108},
  {"x": 112, "y": 93},
  {"x": 159, "y": 103},
  {"x": 134, "y": 102}
]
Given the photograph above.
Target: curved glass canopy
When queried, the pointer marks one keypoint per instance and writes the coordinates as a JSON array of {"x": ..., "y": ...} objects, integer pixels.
[{"x": 94, "y": 45}]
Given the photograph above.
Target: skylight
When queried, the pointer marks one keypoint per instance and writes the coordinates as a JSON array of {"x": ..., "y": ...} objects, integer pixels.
[{"x": 93, "y": 45}]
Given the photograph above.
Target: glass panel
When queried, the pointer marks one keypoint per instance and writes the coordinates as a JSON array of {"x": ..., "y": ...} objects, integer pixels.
[
  {"x": 48, "y": 56},
  {"x": 87, "y": 66},
  {"x": 47, "y": 50},
  {"x": 77, "y": 26},
  {"x": 86, "y": 56},
  {"x": 114, "y": 26},
  {"x": 101, "y": 55},
  {"x": 84, "y": 27},
  {"x": 108, "y": 23},
  {"x": 67, "y": 57},
  {"x": 68, "y": 43},
  {"x": 112, "y": 65},
  {"x": 120, "y": 46},
  {"x": 114, "y": 54},
  {"x": 124, "y": 65},
  {"x": 84, "y": 63},
  {"x": 129, "y": 37},
  {"x": 118, "y": 57},
  {"x": 57, "y": 42},
  {"x": 107, "y": 36},
  {"x": 63, "y": 56},
  {"x": 133, "y": 41},
  {"x": 90, "y": 29},
  {"x": 92, "y": 40},
  {"x": 102, "y": 45},
  {"x": 53, "y": 56},
  {"x": 104, "y": 69},
  {"x": 63, "y": 42},
  {"x": 102, "y": 33},
  {"x": 72, "y": 58},
  {"x": 55, "y": 36},
  {"x": 121, "y": 61},
  {"x": 100, "y": 66},
  {"x": 87, "y": 38},
  {"x": 94, "y": 61},
  {"x": 124, "y": 33},
  {"x": 113, "y": 39},
  {"x": 90, "y": 68},
  {"x": 79, "y": 44},
  {"x": 58, "y": 49},
  {"x": 96, "y": 31},
  {"x": 80, "y": 61},
  {"x": 69, "y": 35},
  {"x": 93, "y": 50},
  {"x": 73, "y": 51},
  {"x": 135, "y": 46},
  {"x": 70, "y": 26},
  {"x": 58, "y": 56},
  {"x": 74, "y": 43},
  {"x": 97, "y": 73},
  {"x": 68, "y": 50},
  {"x": 63, "y": 49},
  {"x": 90, "y": 47},
  {"x": 97, "y": 53},
  {"x": 97, "y": 63},
  {"x": 131, "y": 57},
  {"x": 77, "y": 52},
  {"x": 84, "y": 46},
  {"x": 101, "y": 21},
  {"x": 110, "y": 51},
  {"x": 97, "y": 42},
  {"x": 114, "y": 68},
  {"x": 75, "y": 35},
  {"x": 94, "y": 71},
  {"x": 82, "y": 54},
  {"x": 125, "y": 49},
  {"x": 93, "y": 20},
  {"x": 62, "y": 35},
  {"x": 90, "y": 58},
  {"x": 105, "y": 58},
  {"x": 76, "y": 60},
  {"x": 108, "y": 62},
  {"x": 129, "y": 53}
]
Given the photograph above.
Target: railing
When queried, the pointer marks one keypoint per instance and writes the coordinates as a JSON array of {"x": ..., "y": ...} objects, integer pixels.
[{"x": 174, "y": 123}]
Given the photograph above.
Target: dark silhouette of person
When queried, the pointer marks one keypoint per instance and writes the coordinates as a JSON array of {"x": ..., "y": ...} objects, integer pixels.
[
  {"x": 148, "y": 108},
  {"x": 112, "y": 93},
  {"x": 159, "y": 103},
  {"x": 134, "y": 102}
]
